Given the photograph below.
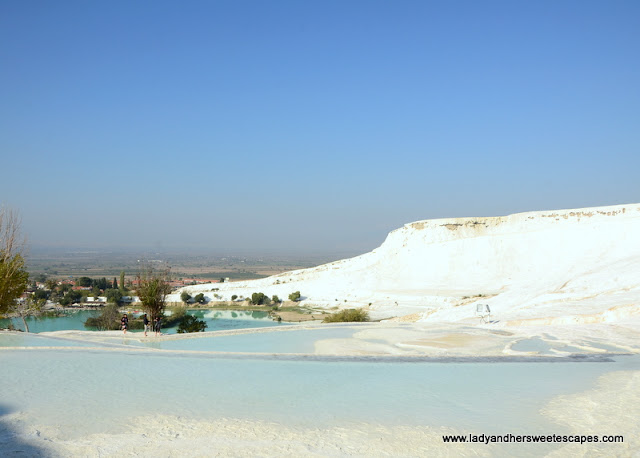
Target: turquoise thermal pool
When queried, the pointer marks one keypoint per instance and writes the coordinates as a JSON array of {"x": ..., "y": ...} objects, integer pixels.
[
  {"x": 74, "y": 320},
  {"x": 282, "y": 340},
  {"x": 90, "y": 391}
]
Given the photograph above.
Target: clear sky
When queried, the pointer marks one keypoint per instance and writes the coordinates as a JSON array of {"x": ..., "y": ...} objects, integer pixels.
[{"x": 309, "y": 126}]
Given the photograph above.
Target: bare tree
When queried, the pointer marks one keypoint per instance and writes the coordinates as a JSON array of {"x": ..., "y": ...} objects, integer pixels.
[
  {"x": 13, "y": 276},
  {"x": 153, "y": 287},
  {"x": 29, "y": 307}
]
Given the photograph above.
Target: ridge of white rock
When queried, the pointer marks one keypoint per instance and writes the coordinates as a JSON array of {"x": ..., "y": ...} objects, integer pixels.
[{"x": 561, "y": 266}]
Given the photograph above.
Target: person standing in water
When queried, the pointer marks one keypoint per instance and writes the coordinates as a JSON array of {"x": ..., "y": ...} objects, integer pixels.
[
  {"x": 145, "y": 320},
  {"x": 124, "y": 321},
  {"x": 158, "y": 325}
]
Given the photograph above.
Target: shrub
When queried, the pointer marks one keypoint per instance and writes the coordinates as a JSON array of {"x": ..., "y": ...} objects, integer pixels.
[
  {"x": 185, "y": 297},
  {"x": 294, "y": 296},
  {"x": 234, "y": 297},
  {"x": 190, "y": 323},
  {"x": 199, "y": 298},
  {"x": 109, "y": 320},
  {"x": 260, "y": 299},
  {"x": 276, "y": 299},
  {"x": 347, "y": 315}
]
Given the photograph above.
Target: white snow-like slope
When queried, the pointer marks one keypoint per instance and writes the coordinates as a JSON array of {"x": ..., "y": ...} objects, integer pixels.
[{"x": 559, "y": 266}]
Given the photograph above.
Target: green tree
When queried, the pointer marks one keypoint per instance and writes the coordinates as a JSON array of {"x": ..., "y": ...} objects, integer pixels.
[
  {"x": 185, "y": 297},
  {"x": 122, "y": 287},
  {"x": 114, "y": 296},
  {"x": 153, "y": 287},
  {"x": 65, "y": 287},
  {"x": 199, "y": 298},
  {"x": 294, "y": 296},
  {"x": 84, "y": 282},
  {"x": 13, "y": 280},
  {"x": 276, "y": 299},
  {"x": 101, "y": 283},
  {"x": 13, "y": 275},
  {"x": 74, "y": 296},
  {"x": 41, "y": 294},
  {"x": 115, "y": 283}
]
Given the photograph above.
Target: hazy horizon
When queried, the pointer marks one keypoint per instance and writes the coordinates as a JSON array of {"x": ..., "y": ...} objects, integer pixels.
[
  {"x": 162, "y": 249},
  {"x": 145, "y": 252},
  {"x": 309, "y": 128}
]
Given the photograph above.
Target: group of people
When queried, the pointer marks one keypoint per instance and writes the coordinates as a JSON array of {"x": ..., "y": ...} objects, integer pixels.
[{"x": 157, "y": 325}]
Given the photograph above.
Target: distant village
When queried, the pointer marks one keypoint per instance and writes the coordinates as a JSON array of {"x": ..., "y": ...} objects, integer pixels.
[{"x": 94, "y": 292}]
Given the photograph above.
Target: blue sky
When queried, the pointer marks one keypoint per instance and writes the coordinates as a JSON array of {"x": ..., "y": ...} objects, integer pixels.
[{"x": 309, "y": 126}]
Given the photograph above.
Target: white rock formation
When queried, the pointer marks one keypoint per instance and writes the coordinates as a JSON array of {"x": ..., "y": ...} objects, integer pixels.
[{"x": 552, "y": 266}]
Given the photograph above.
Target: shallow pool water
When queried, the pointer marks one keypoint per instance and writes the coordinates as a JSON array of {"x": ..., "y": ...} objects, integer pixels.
[
  {"x": 73, "y": 392},
  {"x": 281, "y": 341},
  {"x": 48, "y": 322},
  {"x": 91, "y": 391},
  {"x": 216, "y": 320},
  {"x": 222, "y": 320},
  {"x": 22, "y": 339},
  {"x": 534, "y": 344}
]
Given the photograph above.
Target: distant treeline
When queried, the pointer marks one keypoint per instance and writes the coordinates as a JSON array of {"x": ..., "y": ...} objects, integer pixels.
[
  {"x": 232, "y": 275},
  {"x": 100, "y": 283}
]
